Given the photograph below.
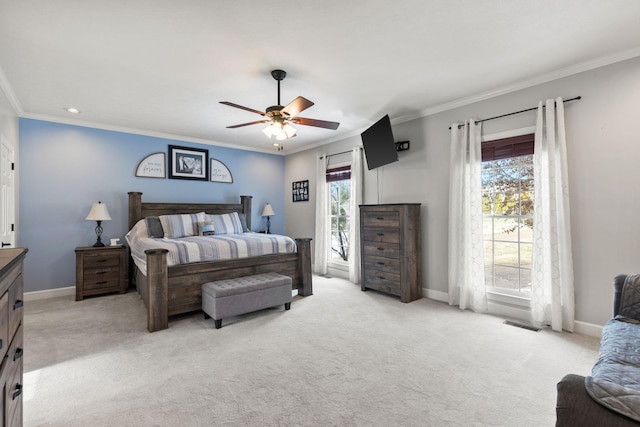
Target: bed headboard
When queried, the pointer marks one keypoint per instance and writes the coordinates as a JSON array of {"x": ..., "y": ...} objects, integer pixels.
[{"x": 139, "y": 209}]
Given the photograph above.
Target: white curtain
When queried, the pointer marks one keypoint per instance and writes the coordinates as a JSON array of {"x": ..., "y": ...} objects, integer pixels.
[
  {"x": 552, "y": 294},
  {"x": 355, "y": 201},
  {"x": 322, "y": 237},
  {"x": 466, "y": 246}
]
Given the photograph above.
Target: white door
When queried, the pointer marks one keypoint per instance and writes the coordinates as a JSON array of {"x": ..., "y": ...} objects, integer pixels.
[{"x": 7, "y": 194}]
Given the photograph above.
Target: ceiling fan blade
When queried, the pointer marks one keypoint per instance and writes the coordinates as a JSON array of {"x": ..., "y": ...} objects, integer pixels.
[
  {"x": 248, "y": 124},
  {"x": 296, "y": 106},
  {"x": 231, "y": 104},
  {"x": 314, "y": 122}
]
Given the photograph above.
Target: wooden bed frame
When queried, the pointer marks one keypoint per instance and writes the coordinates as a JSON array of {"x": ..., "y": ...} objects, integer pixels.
[{"x": 172, "y": 290}]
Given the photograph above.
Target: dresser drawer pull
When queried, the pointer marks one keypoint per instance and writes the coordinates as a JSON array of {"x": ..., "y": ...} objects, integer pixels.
[
  {"x": 380, "y": 234},
  {"x": 101, "y": 283},
  {"x": 382, "y": 277},
  {"x": 18, "y": 391},
  {"x": 18, "y": 355},
  {"x": 380, "y": 218},
  {"x": 100, "y": 272},
  {"x": 381, "y": 249},
  {"x": 18, "y": 304},
  {"x": 102, "y": 260},
  {"x": 1, "y": 343},
  {"x": 380, "y": 263}
]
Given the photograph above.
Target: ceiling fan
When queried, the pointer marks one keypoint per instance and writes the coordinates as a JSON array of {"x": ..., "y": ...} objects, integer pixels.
[{"x": 280, "y": 118}]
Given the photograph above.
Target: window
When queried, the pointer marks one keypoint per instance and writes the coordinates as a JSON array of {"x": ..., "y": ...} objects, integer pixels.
[
  {"x": 339, "y": 183},
  {"x": 507, "y": 204}
]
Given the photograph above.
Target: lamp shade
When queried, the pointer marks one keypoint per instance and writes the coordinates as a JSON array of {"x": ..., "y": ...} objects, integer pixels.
[
  {"x": 98, "y": 212},
  {"x": 268, "y": 210}
]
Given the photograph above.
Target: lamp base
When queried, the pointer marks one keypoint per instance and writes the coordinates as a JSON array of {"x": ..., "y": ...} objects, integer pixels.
[{"x": 98, "y": 244}]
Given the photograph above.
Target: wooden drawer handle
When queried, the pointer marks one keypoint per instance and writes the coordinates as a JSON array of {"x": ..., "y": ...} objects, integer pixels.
[
  {"x": 18, "y": 304},
  {"x": 18, "y": 391},
  {"x": 18, "y": 355}
]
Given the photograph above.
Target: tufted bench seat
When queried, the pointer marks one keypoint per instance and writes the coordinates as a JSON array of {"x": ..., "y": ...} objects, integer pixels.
[{"x": 232, "y": 297}]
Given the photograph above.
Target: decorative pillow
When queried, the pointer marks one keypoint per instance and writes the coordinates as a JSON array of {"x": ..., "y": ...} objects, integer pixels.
[
  {"x": 206, "y": 229},
  {"x": 630, "y": 299},
  {"x": 154, "y": 227},
  {"x": 183, "y": 225},
  {"x": 243, "y": 221},
  {"x": 228, "y": 223}
]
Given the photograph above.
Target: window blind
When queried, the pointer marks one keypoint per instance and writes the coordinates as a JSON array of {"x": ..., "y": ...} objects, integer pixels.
[
  {"x": 338, "y": 174},
  {"x": 521, "y": 145}
]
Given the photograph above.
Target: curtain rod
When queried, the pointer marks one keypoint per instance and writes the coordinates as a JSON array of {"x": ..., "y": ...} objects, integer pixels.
[
  {"x": 337, "y": 154},
  {"x": 517, "y": 112}
]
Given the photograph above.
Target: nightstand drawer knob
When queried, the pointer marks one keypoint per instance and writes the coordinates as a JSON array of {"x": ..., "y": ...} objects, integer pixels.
[
  {"x": 380, "y": 263},
  {"x": 380, "y": 234},
  {"x": 380, "y": 218},
  {"x": 18, "y": 355},
  {"x": 381, "y": 249},
  {"x": 102, "y": 283},
  {"x": 18, "y": 391},
  {"x": 18, "y": 304}
]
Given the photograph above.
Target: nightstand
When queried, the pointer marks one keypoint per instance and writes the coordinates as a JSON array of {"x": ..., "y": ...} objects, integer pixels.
[{"x": 100, "y": 270}]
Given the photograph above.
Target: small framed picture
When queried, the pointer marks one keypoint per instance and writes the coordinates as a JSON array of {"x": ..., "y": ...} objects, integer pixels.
[
  {"x": 300, "y": 191},
  {"x": 188, "y": 163}
]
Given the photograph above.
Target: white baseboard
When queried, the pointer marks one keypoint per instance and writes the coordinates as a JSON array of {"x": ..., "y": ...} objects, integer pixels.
[
  {"x": 435, "y": 295},
  {"x": 588, "y": 329},
  {"x": 49, "y": 293}
]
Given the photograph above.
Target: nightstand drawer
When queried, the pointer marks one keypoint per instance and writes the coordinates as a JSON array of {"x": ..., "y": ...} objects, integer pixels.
[
  {"x": 104, "y": 283},
  {"x": 98, "y": 262}
]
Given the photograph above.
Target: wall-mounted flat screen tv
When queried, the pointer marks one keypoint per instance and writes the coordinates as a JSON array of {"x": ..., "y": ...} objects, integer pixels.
[{"x": 379, "y": 145}]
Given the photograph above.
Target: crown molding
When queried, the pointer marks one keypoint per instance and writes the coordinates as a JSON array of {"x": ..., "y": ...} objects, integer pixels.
[{"x": 8, "y": 92}]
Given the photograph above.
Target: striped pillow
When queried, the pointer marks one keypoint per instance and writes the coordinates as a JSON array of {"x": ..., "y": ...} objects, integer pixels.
[
  {"x": 228, "y": 223},
  {"x": 183, "y": 225}
]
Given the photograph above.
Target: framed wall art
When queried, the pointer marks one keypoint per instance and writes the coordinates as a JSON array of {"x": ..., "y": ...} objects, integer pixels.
[
  {"x": 219, "y": 172},
  {"x": 300, "y": 191},
  {"x": 152, "y": 166},
  {"x": 188, "y": 163}
]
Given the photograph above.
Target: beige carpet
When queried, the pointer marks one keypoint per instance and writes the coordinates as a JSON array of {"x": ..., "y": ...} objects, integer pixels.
[{"x": 341, "y": 357}]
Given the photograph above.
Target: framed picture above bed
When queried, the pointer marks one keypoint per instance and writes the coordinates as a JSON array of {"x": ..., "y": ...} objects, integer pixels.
[{"x": 188, "y": 163}]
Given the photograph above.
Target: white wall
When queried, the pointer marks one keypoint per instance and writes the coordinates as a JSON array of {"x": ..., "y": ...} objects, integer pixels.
[{"x": 603, "y": 150}]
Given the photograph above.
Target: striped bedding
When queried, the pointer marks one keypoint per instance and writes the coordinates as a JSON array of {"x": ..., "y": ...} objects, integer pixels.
[{"x": 190, "y": 249}]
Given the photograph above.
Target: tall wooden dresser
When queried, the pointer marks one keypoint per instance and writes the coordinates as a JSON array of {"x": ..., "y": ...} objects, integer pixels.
[
  {"x": 391, "y": 247},
  {"x": 11, "y": 342}
]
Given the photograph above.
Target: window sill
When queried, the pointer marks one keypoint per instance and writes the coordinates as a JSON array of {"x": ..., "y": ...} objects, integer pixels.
[{"x": 508, "y": 298}]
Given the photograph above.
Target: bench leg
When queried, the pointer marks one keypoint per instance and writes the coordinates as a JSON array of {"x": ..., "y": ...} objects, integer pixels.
[
  {"x": 287, "y": 305},
  {"x": 218, "y": 323}
]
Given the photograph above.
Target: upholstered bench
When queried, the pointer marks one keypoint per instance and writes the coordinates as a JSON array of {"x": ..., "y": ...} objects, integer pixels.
[{"x": 232, "y": 297}]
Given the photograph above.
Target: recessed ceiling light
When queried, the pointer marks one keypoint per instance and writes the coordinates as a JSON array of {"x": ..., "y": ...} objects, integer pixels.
[{"x": 72, "y": 110}]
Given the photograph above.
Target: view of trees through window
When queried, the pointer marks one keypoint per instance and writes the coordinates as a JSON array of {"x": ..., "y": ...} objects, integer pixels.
[
  {"x": 507, "y": 204},
  {"x": 339, "y": 216}
]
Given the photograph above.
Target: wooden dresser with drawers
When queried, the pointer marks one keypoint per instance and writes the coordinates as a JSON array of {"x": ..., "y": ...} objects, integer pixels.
[
  {"x": 391, "y": 249},
  {"x": 11, "y": 341}
]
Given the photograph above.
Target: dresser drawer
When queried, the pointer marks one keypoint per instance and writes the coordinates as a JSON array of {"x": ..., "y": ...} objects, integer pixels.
[
  {"x": 4, "y": 324},
  {"x": 387, "y": 250},
  {"x": 382, "y": 281},
  {"x": 381, "y": 219},
  {"x": 14, "y": 386},
  {"x": 16, "y": 305},
  {"x": 389, "y": 265},
  {"x": 381, "y": 235}
]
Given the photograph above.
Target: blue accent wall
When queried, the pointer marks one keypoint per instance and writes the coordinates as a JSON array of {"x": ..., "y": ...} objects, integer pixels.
[{"x": 64, "y": 169}]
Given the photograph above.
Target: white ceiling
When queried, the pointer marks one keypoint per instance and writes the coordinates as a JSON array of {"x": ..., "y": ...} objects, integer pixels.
[{"x": 160, "y": 67}]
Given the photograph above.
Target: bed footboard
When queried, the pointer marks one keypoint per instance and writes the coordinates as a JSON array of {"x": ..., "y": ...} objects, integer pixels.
[{"x": 177, "y": 289}]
